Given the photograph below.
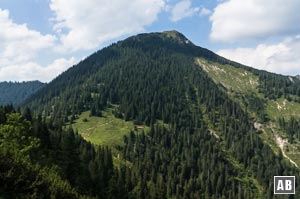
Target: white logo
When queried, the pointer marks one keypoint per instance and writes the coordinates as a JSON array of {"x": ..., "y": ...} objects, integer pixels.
[{"x": 284, "y": 184}]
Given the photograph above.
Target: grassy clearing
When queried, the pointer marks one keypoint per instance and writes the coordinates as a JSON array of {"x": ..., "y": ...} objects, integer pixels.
[
  {"x": 106, "y": 130},
  {"x": 282, "y": 108},
  {"x": 232, "y": 78},
  {"x": 238, "y": 82}
]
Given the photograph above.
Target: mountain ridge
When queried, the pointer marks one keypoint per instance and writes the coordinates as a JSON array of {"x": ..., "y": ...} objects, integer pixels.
[
  {"x": 16, "y": 92},
  {"x": 157, "y": 81}
]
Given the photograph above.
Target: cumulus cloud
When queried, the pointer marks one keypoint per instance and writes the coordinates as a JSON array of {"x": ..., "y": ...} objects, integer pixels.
[
  {"x": 236, "y": 20},
  {"x": 34, "y": 71},
  {"x": 279, "y": 58},
  {"x": 88, "y": 24},
  {"x": 182, "y": 10},
  {"x": 18, "y": 43},
  {"x": 78, "y": 25},
  {"x": 19, "y": 47}
]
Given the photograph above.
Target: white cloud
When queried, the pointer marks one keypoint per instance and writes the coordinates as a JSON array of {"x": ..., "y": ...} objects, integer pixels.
[
  {"x": 182, "y": 10},
  {"x": 236, "y": 20},
  {"x": 204, "y": 12},
  {"x": 88, "y": 24},
  {"x": 279, "y": 58},
  {"x": 34, "y": 71},
  {"x": 79, "y": 26},
  {"x": 18, "y": 43},
  {"x": 20, "y": 48}
]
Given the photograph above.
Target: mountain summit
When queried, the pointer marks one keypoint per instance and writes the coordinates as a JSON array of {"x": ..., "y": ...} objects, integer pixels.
[
  {"x": 204, "y": 126},
  {"x": 176, "y": 36},
  {"x": 138, "y": 54},
  {"x": 166, "y": 35}
]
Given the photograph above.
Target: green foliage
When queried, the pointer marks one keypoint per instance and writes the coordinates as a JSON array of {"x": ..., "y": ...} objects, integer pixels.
[
  {"x": 20, "y": 176},
  {"x": 38, "y": 162},
  {"x": 277, "y": 86},
  {"x": 14, "y": 138},
  {"x": 292, "y": 127}
]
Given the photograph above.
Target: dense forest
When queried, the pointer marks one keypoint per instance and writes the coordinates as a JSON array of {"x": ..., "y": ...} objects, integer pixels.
[
  {"x": 41, "y": 161},
  {"x": 291, "y": 127},
  {"x": 16, "y": 92},
  {"x": 201, "y": 143}
]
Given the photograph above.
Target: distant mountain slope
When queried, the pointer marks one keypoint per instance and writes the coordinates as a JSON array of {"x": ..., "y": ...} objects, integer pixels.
[
  {"x": 16, "y": 92},
  {"x": 211, "y": 135},
  {"x": 275, "y": 109}
]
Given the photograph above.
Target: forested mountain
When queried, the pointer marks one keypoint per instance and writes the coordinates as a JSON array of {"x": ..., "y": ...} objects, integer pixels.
[
  {"x": 204, "y": 124},
  {"x": 17, "y": 92}
]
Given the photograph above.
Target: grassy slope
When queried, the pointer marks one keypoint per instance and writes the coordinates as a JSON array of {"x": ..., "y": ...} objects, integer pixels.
[
  {"x": 234, "y": 79},
  {"x": 106, "y": 130},
  {"x": 240, "y": 82},
  {"x": 282, "y": 108}
]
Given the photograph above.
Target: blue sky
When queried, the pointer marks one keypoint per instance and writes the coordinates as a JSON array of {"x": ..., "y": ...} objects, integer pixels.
[{"x": 39, "y": 39}]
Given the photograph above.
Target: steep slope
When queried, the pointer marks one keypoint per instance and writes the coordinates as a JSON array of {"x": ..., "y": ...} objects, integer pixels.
[
  {"x": 202, "y": 141},
  {"x": 16, "y": 92},
  {"x": 272, "y": 113}
]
